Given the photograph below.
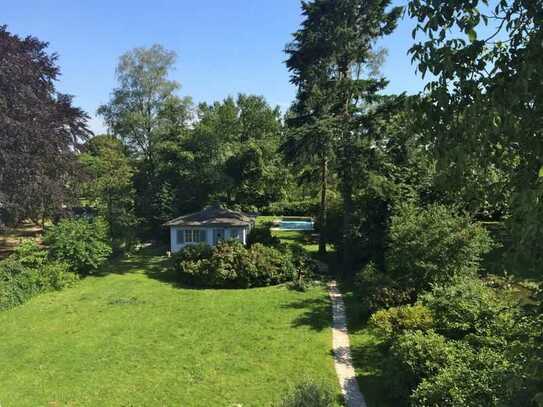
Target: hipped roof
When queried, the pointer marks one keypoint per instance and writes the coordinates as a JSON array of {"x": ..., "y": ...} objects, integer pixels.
[{"x": 213, "y": 215}]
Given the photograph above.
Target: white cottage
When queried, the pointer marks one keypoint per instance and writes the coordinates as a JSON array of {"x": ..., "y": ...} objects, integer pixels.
[{"x": 210, "y": 225}]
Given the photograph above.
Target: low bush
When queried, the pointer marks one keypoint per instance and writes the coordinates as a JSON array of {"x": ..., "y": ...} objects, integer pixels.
[
  {"x": 81, "y": 243},
  {"x": 378, "y": 291},
  {"x": 432, "y": 245},
  {"x": 394, "y": 321},
  {"x": 308, "y": 394},
  {"x": 306, "y": 267},
  {"x": 472, "y": 379},
  {"x": 193, "y": 252},
  {"x": 231, "y": 265},
  {"x": 468, "y": 306},
  {"x": 27, "y": 272},
  {"x": 262, "y": 234},
  {"x": 417, "y": 355}
]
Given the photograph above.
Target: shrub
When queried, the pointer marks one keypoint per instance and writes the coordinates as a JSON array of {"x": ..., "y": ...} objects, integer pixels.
[
  {"x": 193, "y": 252},
  {"x": 416, "y": 355},
  {"x": 295, "y": 208},
  {"x": 432, "y": 245},
  {"x": 308, "y": 394},
  {"x": 29, "y": 254},
  {"x": 395, "y": 321},
  {"x": 27, "y": 272},
  {"x": 474, "y": 379},
  {"x": 262, "y": 234},
  {"x": 83, "y": 244},
  {"x": 467, "y": 306},
  {"x": 377, "y": 291},
  {"x": 306, "y": 267},
  {"x": 56, "y": 275},
  {"x": 231, "y": 265}
]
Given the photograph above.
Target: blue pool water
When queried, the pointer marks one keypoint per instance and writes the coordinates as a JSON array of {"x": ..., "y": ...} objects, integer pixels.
[{"x": 296, "y": 224}]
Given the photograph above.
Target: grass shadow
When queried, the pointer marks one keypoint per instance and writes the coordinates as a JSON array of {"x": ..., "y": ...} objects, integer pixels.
[
  {"x": 369, "y": 357},
  {"x": 318, "y": 314}
]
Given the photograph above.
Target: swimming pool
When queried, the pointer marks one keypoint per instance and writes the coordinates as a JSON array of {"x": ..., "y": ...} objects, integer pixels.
[{"x": 296, "y": 224}]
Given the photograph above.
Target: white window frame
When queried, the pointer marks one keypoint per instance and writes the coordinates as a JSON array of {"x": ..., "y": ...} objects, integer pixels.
[{"x": 193, "y": 235}]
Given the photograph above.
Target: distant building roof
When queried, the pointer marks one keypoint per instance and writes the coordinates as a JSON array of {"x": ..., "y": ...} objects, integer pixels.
[{"x": 213, "y": 215}]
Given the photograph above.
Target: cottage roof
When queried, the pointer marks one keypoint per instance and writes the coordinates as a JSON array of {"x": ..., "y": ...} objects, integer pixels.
[{"x": 213, "y": 215}]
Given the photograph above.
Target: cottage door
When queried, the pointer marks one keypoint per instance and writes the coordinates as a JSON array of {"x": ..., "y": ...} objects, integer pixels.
[{"x": 218, "y": 234}]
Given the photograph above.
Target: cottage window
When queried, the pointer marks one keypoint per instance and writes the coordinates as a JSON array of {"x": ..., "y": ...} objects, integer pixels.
[
  {"x": 235, "y": 233},
  {"x": 180, "y": 237},
  {"x": 194, "y": 235}
]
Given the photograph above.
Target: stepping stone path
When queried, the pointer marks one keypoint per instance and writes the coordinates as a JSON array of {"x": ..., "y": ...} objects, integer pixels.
[{"x": 342, "y": 351}]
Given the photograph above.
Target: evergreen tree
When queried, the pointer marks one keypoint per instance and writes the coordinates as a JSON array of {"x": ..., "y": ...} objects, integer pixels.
[{"x": 331, "y": 60}]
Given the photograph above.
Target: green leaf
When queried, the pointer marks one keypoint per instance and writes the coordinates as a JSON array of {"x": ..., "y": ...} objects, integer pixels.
[
  {"x": 472, "y": 35},
  {"x": 541, "y": 172}
]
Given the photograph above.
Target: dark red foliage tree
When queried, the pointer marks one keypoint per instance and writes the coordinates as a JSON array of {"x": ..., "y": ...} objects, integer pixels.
[{"x": 40, "y": 131}]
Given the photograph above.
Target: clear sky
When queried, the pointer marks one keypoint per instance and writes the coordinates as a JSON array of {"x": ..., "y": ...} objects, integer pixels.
[{"x": 223, "y": 47}]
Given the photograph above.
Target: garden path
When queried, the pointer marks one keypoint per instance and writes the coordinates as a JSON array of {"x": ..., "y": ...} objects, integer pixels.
[{"x": 342, "y": 351}]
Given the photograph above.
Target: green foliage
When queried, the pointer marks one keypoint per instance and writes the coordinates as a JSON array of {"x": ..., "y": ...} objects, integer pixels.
[
  {"x": 432, "y": 245},
  {"x": 109, "y": 187},
  {"x": 333, "y": 62},
  {"x": 481, "y": 351},
  {"x": 306, "y": 267},
  {"x": 231, "y": 265},
  {"x": 262, "y": 234},
  {"x": 294, "y": 208},
  {"x": 376, "y": 290},
  {"x": 486, "y": 125},
  {"x": 467, "y": 306},
  {"x": 193, "y": 252},
  {"x": 416, "y": 355},
  {"x": 308, "y": 394},
  {"x": 81, "y": 243},
  {"x": 472, "y": 379},
  {"x": 29, "y": 254},
  {"x": 27, "y": 272},
  {"x": 392, "y": 322}
]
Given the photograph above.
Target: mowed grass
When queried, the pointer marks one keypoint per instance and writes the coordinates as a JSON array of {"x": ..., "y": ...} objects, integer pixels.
[
  {"x": 132, "y": 337},
  {"x": 368, "y": 357}
]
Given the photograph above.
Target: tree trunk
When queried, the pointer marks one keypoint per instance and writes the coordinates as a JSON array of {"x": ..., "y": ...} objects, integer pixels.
[
  {"x": 323, "y": 206},
  {"x": 347, "y": 253},
  {"x": 347, "y": 175}
]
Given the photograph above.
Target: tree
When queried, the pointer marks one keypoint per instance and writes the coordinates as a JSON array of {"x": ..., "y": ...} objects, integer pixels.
[
  {"x": 135, "y": 106},
  {"x": 109, "y": 187},
  {"x": 331, "y": 59},
  {"x": 236, "y": 143},
  {"x": 148, "y": 117},
  {"x": 40, "y": 131},
  {"x": 485, "y": 101},
  {"x": 309, "y": 147}
]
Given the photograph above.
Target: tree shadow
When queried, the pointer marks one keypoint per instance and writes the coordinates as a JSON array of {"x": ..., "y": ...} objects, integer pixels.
[
  {"x": 368, "y": 355},
  {"x": 148, "y": 260},
  {"x": 317, "y": 315}
]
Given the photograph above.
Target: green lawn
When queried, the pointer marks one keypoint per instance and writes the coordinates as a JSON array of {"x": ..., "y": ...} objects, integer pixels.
[
  {"x": 368, "y": 358},
  {"x": 132, "y": 337}
]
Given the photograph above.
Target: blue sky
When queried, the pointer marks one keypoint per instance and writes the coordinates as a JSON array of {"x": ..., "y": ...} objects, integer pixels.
[{"x": 223, "y": 47}]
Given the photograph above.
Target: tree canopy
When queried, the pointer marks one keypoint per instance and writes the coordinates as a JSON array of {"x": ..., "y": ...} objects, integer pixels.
[{"x": 40, "y": 131}]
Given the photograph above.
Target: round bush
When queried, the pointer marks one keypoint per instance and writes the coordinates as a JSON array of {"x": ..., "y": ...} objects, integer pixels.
[
  {"x": 392, "y": 322},
  {"x": 432, "y": 245},
  {"x": 231, "y": 265},
  {"x": 81, "y": 243}
]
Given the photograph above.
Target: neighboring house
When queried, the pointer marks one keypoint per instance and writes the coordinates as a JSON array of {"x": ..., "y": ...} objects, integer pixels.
[{"x": 210, "y": 225}]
